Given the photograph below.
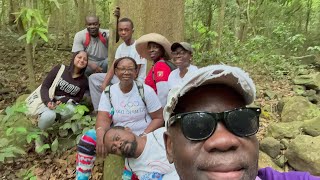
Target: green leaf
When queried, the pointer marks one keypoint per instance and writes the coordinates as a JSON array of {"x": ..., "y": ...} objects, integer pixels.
[
  {"x": 17, "y": 150},
  {"x": 63, "y": 132},
  {"x": 22, "y": 37},
  {"x": 65, "y": 126},
  {"x": 41, "y": 29},
  {"x": 74, "y": 127},
  {"x": 4, "y": 142},
  {"x": 42, "y": 148},
  {"x": 30, "y": 35},
  {"x": 29, "y": 13},
  {"x": 30, "y": 137},
  {"x": 21, "y": 129},
  {"x": 87, "y": 118},
  {"x": 54, "y": 145},
  {"x": 43, "y": 36},
  {"x": 76, "y": 117},
  {"x": 7, "y": 154},
  {"x": 8, "y": 131}
]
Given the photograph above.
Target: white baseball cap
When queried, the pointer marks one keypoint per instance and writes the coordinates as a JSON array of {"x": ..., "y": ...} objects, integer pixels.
[{"x": 214, "y": 74}]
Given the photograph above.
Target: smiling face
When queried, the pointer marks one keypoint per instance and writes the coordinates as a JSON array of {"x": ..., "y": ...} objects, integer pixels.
[
  {"x": 156, "y": 51},
  {"x": 93, "y": 25},
  {"x": 125, "y": 30},
  {"x": 80, "y": 61},
  {"x": 126, "y": 70},
  {"x": 223, "y": 155},
  {"x": 121, "y": 142},
  {"x": 181, "y": 57}
]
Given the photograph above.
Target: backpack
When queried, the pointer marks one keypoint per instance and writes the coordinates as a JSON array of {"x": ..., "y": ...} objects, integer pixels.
[
  {"x": 101, "y": 37},
  {"x": 168, "y": 63},
  {"x": 140, "y": 90},
  {"x": 171, "y": 65}
]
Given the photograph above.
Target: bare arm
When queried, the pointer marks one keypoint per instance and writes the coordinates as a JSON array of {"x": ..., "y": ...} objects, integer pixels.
[
  {"x": 103, "y": 122},
  {"x": 108, "y": 77},
  {"x": 157, "y": 121}
]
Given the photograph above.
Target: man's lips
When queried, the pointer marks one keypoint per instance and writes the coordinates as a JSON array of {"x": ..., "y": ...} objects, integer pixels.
[
  {"x": 224, "y": 172},
  {"x": 230, "y": 175}
]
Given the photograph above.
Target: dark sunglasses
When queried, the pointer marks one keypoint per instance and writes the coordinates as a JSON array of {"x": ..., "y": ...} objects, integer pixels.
[{"x": 197, "y": 126}]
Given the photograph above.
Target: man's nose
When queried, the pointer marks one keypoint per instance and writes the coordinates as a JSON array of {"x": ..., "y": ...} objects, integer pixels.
[
  {"x": 118, "y": 144},
  {"x": 221, "y": 140}
]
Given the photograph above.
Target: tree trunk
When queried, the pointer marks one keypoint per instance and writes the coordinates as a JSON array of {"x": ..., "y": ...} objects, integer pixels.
[
  {"x": 81, "y": 14},
  {"x": 248, "y": 18},
  {"x": 64, "y": 24},
  {"x": 113, "y": 33},
  {"x": 309, "y": 8},
  {"x": 32, "y": 78},
  {"x": 208, "y": 24},
  {"x": 12, "y": 8},
  {"x": 241, "y": 26},
  {"x": 220, "y": 24},
  {"x": 93, "y": 7},
  {"x": 2, "y": 14}
]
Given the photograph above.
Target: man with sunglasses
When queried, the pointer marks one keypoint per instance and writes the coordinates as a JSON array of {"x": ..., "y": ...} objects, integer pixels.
[{"x": 211, "y": 130}]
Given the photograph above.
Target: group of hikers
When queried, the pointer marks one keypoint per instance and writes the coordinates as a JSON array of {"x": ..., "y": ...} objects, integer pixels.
[{"x": 183, "y": 123}]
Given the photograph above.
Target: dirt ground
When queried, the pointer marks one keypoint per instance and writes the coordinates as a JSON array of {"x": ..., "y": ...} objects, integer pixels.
[{"x": 13, "y": 83}]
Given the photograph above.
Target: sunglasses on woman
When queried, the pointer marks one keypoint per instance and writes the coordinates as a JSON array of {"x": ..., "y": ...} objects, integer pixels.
[{"x": 197, "y": 126}]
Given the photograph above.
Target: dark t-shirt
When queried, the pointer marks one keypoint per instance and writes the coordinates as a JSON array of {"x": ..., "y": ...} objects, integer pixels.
[{"x": 67, "y": 88}]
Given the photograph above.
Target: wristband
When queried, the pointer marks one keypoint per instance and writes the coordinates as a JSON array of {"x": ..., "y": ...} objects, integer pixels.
[{"x": 143, "y": 134}]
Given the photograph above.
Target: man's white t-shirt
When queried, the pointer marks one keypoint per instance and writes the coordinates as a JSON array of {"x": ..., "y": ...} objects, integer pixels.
[
  {"x": 153, "y": 162},
  {"x": 130, "y": 51},
  {"x": 129, "y": 109},
  {"x": 174, "y": 78}
]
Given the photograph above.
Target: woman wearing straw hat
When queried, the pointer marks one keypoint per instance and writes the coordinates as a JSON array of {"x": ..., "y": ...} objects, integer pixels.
[{"x": 156, "y": 47}]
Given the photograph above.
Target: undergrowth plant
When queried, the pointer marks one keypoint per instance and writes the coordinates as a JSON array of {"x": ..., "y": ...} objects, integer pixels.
[{"x": 18, "y": 132}]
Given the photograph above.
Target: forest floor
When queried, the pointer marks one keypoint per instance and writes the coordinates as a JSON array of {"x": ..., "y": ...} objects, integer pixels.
[{"x": 14, "y": 80}]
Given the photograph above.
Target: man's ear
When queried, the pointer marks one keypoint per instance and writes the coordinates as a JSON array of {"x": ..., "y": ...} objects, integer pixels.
[{"x": 168, "y": 144}]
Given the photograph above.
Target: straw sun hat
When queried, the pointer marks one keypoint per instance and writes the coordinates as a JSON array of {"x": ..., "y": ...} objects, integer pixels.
[{"x": 142, "y": 44}]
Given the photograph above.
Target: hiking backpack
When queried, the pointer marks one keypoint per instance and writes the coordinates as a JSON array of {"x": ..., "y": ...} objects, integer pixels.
[
  {"x": 168, "y": 63},
  {"x": 171, "y": 65},
  {"x": 140, "y": 90},
  {"x": 101, "y": 37}
]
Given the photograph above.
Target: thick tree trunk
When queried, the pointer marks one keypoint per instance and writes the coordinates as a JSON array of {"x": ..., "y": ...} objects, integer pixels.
[{"x": 113, "y": 33}]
